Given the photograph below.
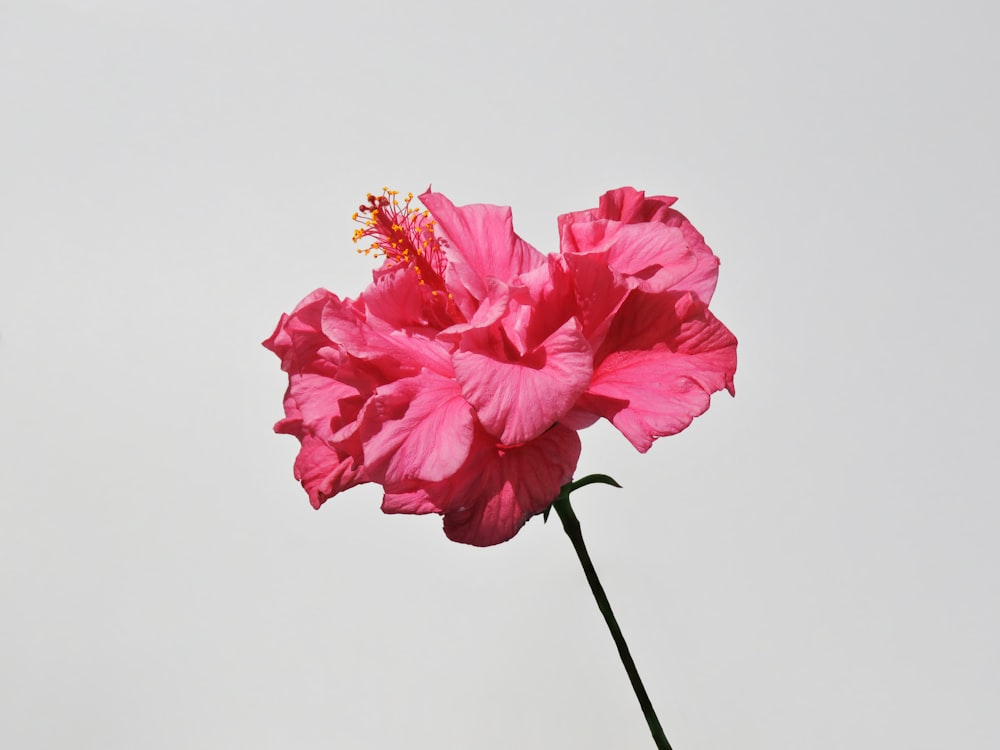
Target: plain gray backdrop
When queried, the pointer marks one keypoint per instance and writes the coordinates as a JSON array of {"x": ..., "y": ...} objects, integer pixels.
[{"x": 813, "y": 564}]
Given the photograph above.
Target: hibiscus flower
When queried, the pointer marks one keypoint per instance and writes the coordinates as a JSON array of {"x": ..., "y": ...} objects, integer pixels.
[{"x": 459, "y": 378}]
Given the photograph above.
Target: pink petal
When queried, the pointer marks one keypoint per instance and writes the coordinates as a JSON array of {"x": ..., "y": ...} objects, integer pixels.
[
  {"x": 298, "y": 338},
  {"x": 415, "y": 502},
  {"x": 703, "y": 278},
  {"x": 395, "y": 297},
  {"x": 316, "y": 406},
  {"x": 598, "y": 292},
  {"x": 491, "y": 309},
  {"x": 583, "y": 414},
  {"x": 323, "y": 471},
  {"x": 632, "y": 206},
  {"x": 391, "y": 353},
  {"x": 416, "y": 428},
  {"x": 627, "y": 206},
  {"x": 664, "y": 355},
  {"x": 657, "y": 256},
  {"x": 481, "y": 244},
  {"x": 495, "y": 497},
  {"x": 541, "y": 301},
  {"x": 517, "y": 397},
  {"x": 399, "y": 300}
]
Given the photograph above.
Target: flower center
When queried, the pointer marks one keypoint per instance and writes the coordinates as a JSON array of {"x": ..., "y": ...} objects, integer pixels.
[{"x": 400, "y": 233}]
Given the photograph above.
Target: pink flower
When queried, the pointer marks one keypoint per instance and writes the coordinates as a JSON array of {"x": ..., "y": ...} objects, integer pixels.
[{"x": 458, "y": 379}]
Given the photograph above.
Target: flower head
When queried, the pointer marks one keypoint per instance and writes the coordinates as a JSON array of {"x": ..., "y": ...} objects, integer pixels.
[{"x": 459, "y": 378}]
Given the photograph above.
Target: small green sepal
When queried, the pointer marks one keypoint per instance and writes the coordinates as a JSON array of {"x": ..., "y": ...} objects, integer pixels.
[{"x": 567, "y": 489}]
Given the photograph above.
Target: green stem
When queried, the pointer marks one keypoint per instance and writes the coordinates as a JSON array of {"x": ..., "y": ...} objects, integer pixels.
[{"x": 572, "y": 527}]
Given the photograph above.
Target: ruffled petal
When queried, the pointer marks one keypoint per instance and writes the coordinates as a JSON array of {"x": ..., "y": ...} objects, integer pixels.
[
  {"x": 416, "y": 428},
  {"x": 390, "y": 353},
  {"x": 702, "y": 280},
  {"x": 415, "y": 501},
  {"x": 655, "y": 256},
  {"x": 397, "y": 299},
  {"x": 299, "y": 340},
  {"x": 495, "y": 497},
  {"x": 627, "y": 206},
  {"x": 541, "y": 301},
  {"x": 664, "y": 355},
  {"x": 632, "y": 206},
  {"x": 324, "y": 471},
  {"x": 598, "y": 292},
  {"x": 481, "y": 244},
  {"x": 490, "y": 310},
  {"x": 316, "y": 407},
  {"x": 517, "y": 397}
]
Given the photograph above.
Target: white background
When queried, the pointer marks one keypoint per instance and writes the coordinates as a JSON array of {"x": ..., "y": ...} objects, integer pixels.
[{"x": 812, "y": 565}]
